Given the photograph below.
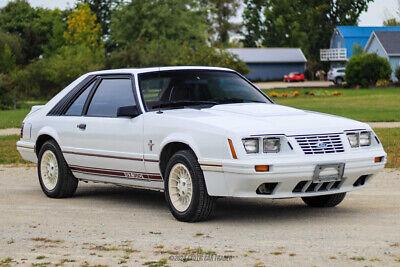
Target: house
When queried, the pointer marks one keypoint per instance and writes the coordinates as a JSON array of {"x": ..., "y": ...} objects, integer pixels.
[
  {"x": 343, "y": 40},
  {"x": 271, "y": 63},
  {"x": 386, "y": 44}
]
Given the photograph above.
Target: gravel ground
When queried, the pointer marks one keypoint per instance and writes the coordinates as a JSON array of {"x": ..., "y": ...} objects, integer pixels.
[{"x": 110, "y": 225}]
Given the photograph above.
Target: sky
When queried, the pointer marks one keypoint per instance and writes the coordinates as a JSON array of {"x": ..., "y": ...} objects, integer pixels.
[{"x": 378, "y": 11}]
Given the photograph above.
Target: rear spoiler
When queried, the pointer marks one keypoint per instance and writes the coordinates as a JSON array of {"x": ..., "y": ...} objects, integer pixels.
[{"x": 35, "y": 108}]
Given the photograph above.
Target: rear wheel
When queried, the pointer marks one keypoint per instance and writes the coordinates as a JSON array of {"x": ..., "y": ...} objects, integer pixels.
[
  {"x": 339, "y": 81},
  {"x": 325, "y": 201},
  {"x": 55, "y": 177},
  {"x": 185, "y": 188}
]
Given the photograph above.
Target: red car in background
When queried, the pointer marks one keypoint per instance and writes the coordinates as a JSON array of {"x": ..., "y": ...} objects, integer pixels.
[{"x": 293, "y": 77}]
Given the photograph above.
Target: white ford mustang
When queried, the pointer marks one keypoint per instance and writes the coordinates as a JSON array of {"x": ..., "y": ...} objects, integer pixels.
[{"x": 196, "y": 133}]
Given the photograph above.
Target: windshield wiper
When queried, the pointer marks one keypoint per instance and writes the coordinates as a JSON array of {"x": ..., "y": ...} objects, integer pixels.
[
  {"x": 183, "y": 103},
  {"x": 237, "y": 100}
]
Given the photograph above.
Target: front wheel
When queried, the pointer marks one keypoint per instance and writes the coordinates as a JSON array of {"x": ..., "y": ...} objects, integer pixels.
[
  {"x": 324, "y": 201},
  {"x": 185, "y": 188},
  {"x": 55, "y": 177}
]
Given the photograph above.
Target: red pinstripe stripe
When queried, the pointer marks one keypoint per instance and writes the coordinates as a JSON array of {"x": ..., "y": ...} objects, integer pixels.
[{"x": 108, "y": 156}]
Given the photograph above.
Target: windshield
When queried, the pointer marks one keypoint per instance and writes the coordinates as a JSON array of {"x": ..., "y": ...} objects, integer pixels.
[{"x": 182, "y": 88}]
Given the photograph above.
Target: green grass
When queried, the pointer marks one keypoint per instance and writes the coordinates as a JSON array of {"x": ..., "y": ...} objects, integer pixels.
[
  {"x": 390, "y": 138},
  {"x": 368, "y": 105},
  {"x": 14, "y": 118},
  {"x": 8, "y": 150}
]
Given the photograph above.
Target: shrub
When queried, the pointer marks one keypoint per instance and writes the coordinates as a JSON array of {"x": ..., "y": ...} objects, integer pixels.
[
  {"x": 45, "y": 77},
  {"x": 382, "y": 83},
  {"x": 366, "y": 69}
]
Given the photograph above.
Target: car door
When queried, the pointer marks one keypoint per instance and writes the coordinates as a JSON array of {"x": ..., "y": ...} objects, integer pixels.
[{"x": 103, "y": 146}]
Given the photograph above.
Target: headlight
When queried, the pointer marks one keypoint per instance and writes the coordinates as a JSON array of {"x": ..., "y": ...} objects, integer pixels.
[
  {"x": 251, "y": 145},
  {"x": 358, "y": 139},
  {"x": 272, "y": 145},
  {"x": 365, "y": 138},
  {"x": 353, "y": 139}
]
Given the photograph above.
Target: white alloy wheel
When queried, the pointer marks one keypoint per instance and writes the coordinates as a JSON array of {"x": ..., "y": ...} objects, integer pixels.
[
  {"x": 49, "y": 170},
  {"x": 180, "y": 187}
]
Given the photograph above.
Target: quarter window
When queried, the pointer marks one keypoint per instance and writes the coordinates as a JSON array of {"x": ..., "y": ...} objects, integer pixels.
[
  {"x": 77, "y": 106},
  {"x": 109, "y": 96}
]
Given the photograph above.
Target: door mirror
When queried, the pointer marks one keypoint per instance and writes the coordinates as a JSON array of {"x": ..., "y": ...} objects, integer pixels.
[{"x": 128, "y": 111}]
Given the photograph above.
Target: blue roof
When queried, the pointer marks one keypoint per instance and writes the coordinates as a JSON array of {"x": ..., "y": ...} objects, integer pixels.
[{"x": 360, "y": 35}]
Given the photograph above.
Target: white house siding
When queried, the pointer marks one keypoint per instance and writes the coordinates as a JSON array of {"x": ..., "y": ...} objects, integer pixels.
[
  {"x": 376, "y": 47},
  {"x": 394, "y": 63}
]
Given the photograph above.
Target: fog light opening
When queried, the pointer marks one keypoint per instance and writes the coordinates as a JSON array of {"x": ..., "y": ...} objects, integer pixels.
[
  {"x": 361, "y": 180},
  {"x": 266, "y": 188}
]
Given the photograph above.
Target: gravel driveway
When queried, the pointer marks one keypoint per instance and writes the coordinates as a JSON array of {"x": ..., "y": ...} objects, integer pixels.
[{"x": 110, "y": 225}]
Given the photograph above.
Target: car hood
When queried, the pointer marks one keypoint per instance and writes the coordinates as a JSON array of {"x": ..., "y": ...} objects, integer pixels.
[{"x": 259, "y": 118}]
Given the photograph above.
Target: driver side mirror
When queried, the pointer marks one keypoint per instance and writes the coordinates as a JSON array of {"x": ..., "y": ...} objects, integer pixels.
[{"x": 128, "y": 111}]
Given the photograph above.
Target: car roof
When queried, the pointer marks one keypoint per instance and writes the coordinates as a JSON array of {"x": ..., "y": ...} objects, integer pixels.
[{"x": 153, "y": 69}]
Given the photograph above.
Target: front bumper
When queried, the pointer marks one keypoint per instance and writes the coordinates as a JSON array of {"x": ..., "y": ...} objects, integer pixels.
[{"x": 239, "y": 178}]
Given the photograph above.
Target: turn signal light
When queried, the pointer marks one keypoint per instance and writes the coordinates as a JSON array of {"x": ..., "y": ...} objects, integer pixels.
[
  {"x": 262, "y": 168},
  {"x": 378, "y": 159},
  {"x": 232, "y": 149}
]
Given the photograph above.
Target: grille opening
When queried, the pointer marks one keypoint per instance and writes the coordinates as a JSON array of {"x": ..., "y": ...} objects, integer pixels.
[
  {"x": 299, "y": 186},
  {"x": 361, "y": 181},
  {"x": 308, "y": 186},
  {"x": 311, "y": 187},
  {"x": 320, "y": 144},
  {"x": 266, "y": 188},
  {"x": 336, "y": 185},
  {"x": 323, "y": 187}
]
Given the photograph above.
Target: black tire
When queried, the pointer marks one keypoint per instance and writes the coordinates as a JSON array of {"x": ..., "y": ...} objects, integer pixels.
[
  {"x": 325, "y": 201},
  {"x": 339, "y": 81},
  {"x": 202, "y": 205},
  {"x": 66, "y": 182}
]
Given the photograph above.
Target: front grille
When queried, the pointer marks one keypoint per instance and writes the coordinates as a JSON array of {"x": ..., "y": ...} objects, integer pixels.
[
  {"x": 310, "y": 186},
  {"x": 310, "y": 144}
]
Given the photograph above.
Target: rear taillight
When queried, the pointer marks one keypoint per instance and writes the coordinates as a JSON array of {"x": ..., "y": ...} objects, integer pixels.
[{"x": 22, "y": 130}]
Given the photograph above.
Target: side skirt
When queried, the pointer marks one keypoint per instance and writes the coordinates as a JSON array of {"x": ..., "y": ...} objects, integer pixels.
[{"x": 151, "y": 181}]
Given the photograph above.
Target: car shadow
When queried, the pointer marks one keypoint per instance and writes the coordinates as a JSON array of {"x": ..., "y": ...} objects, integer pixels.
[
  {"x": 253, "y": 210},
  {"x": 228, "y": 209}
]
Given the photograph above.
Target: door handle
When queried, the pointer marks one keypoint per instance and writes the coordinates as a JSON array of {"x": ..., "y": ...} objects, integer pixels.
[{"x": 81, "y": 126}]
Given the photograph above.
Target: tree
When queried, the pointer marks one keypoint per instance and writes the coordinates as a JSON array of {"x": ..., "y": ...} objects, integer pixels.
[
  {"x": 102, "y": 9},
  {"x": 305, "y": 23},
  {"x": 391, "y": 22},
  {"x": 143, "y": 20},
  {"x": 219, "y": 19},
  {"x": 357, "y": 49},
  {"x": 252, "y": 22},
  {"x": 39, "y": 29},
  {"x": 82, "y": 28},
  {"x": 10, "y": 52}
]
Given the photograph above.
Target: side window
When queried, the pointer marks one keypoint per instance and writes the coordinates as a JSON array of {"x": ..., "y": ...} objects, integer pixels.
[
  {"x": 76, "y": 108},
  {"x": 109, "y": 96}
]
